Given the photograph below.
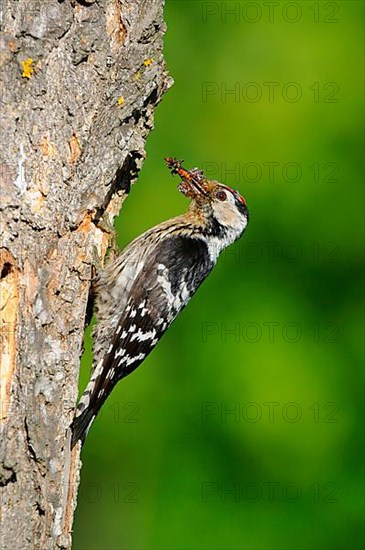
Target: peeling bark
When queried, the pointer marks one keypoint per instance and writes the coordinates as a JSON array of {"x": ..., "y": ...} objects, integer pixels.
[{"x": 80, "y": 82}]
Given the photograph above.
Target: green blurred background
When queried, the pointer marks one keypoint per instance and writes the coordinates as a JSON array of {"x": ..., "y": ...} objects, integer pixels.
[{"x": 274, "y": 334}]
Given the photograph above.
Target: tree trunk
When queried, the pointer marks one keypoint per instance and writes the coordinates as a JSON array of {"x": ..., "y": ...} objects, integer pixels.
[{"x": 80, "y": 81}]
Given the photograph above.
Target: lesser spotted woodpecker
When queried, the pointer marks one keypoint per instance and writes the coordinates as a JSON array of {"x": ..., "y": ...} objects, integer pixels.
[{"x": 140, "y": 293}]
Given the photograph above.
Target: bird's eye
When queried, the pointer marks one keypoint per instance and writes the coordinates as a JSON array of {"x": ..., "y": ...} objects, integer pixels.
[{"x": 221, "y": 195}]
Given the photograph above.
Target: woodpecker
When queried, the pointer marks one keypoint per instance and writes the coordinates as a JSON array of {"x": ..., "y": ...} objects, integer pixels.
[{"x": 141, "y": 291}]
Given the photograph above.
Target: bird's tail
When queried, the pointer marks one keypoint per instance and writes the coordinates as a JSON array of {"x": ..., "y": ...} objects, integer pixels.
[
  {"x": 81, "y": 425},
  {"x": 89, "y": 405}
]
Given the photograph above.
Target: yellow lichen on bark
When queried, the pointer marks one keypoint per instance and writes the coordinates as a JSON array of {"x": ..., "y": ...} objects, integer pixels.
[{"x": 27, "y": 66}]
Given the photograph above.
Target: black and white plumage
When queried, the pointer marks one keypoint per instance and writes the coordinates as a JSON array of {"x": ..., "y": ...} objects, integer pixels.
[{"x": 139, "y": 294}]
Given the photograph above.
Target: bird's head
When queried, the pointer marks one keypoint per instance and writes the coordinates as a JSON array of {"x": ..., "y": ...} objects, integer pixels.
[{"x": 220, "y": 205}]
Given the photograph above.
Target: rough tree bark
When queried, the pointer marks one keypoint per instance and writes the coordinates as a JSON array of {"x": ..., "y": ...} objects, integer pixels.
[{"x": 80, "y": 82}]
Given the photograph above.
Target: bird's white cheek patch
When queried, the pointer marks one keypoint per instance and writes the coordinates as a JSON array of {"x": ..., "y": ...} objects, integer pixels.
[{"x": 226, "y": 214}]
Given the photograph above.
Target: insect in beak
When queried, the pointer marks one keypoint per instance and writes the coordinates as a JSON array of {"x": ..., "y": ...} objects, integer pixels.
[{"x": 193, "y": 181}]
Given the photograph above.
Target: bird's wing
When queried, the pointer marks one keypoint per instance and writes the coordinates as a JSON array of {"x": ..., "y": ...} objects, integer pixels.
[{"x": 171, "y": 275}]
